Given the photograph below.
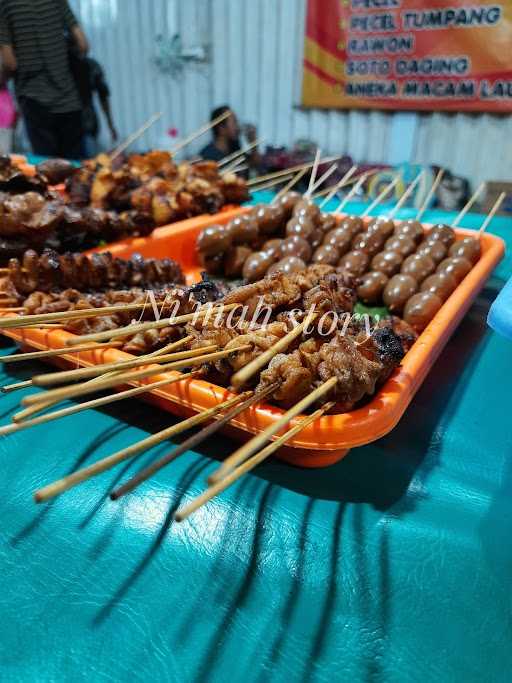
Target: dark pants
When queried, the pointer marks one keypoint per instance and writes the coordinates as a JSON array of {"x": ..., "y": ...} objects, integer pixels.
[{"x": 50, "y": 134}]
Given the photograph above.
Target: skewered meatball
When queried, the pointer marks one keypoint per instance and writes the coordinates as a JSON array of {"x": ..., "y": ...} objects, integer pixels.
[
  {"x": 421, "y": 308},
  {"x": 355, "y": 262},
  {"x": 387, "y": 262},
  {"x": 326, "y": 254},
  {"x": 213, "y": 240},
  {"x": 436, "y": 250},
  {"x": 273, "y": 247},
  {"x": 371, "y": 287},
  {"x": 327, "y": 223},
  {"x": 412, "y": 229},
  {"x": 243, "y": 229},
  {"x": 296, "y": 246},
  {"x": 468, "y": 248},
  {"x": 443, "y": 233},
  {"x": 339, "y": 238},
  {"x": 371, "y": 243},
  {"x": 456, "y": 266},
  {"x": 442, "y": 284},
  {"x": 381, "y": 225},
  {"x": 235, "y": 259},
  {"x": 212, "y": 264},
  {"x": 302, "y": 226},
  {"x": 290, "y": 264},
  {"x": 288, "y": 201},
  {"x": 398, "y": 291},
  {"x": 268, "y": 219},
  {"x": 256, "y": 266},
  {"x": 316, "y": 238},
  {"x": 353, "y": 224},
  {"x": 402, "y": 243},
  {"x": 418, "y": 266},
  {"x": 307, "y": 207}
]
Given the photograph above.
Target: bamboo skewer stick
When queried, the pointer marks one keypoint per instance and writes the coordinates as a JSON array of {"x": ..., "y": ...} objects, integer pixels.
[
  {"x": 43, "y": 405},
  {"x": 200, "y": 131},
  {"x": 12, "y": 309},
  {"x": 339, "y": 185},
  {"x": 382, "y": 195},
  {"x": 406, "y": 194},
  {"x": 248, "y": 449},
  {"x": 34, "y": 319},
  {"x": 430, "y": 195},
  {"x": 468, "y": 205},
  {"x": 289, "y": 185},
  {"x": 241, "y": 377},
  {"x": 240, "y": 153},
  {"x": 353, "y": 191},
  {"x": 135, "y": 136},
  {"x": 190, "y": 443},
  {"x": 110, "y": 461},
  {"x": 269, "y": 184},
  {"x": 8, "y": 388},
  {"x": 491, "y": 214},
  {"x": 291, "y": 169},
  {"x": 323, "y": 178},
  {"x": 65, "y": 376},
  {"x": 235, "y": 170},
  {"x": 130, "y": 330},
  {"x": 95, "y": 403},
  {"x": 35, "y": 355},
  {"x": 314, "y": 171},
  {"x": 247, "y": 466},
  {"x": 90, "y": 387}
]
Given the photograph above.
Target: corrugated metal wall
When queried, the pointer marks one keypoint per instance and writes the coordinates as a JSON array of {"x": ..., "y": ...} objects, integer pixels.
[{"x": 256, "y": 48}]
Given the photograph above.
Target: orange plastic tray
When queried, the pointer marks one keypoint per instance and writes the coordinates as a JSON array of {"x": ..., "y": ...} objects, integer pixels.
[{"x": 329, "y": 438}]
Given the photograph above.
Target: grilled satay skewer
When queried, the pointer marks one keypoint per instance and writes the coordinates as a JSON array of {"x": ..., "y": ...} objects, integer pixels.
[
  {"x": 35, "y": 320},
  {"x": 76, "y": 390},
  {"x": 212, "y": 491},
  {"x": 152, "y": 325}
]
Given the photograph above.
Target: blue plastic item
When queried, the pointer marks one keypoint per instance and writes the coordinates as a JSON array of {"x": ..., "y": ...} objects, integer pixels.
[{"x": 500, "y": 313}]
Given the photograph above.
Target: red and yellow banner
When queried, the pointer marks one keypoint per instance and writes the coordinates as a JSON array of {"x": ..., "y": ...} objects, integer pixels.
[{"x": 452, "y": 55}]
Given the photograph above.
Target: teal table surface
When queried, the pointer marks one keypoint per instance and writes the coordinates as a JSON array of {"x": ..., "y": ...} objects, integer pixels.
[{"x": 393, "y": 565}]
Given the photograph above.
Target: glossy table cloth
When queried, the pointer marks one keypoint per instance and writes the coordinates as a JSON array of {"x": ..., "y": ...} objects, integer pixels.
[{"x": 393, "y": 565}]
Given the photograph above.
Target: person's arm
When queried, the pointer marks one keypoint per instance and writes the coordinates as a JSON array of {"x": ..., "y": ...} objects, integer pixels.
[
  {"x": 6, "y": 45},
  {"x": 105, "y": 105},
  {"x": 8, "y": 58},
  {"x": 100, "y": 85},
  {"x": 72, "y": 25}
]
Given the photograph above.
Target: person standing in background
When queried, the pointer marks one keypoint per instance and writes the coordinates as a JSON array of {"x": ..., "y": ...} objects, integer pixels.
[
  {"x": 8, "y": 115},
  {"x": 34, "y": 50},
  {"x": 226, "y": 139},
  {"x": 90, "y": 79}
]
